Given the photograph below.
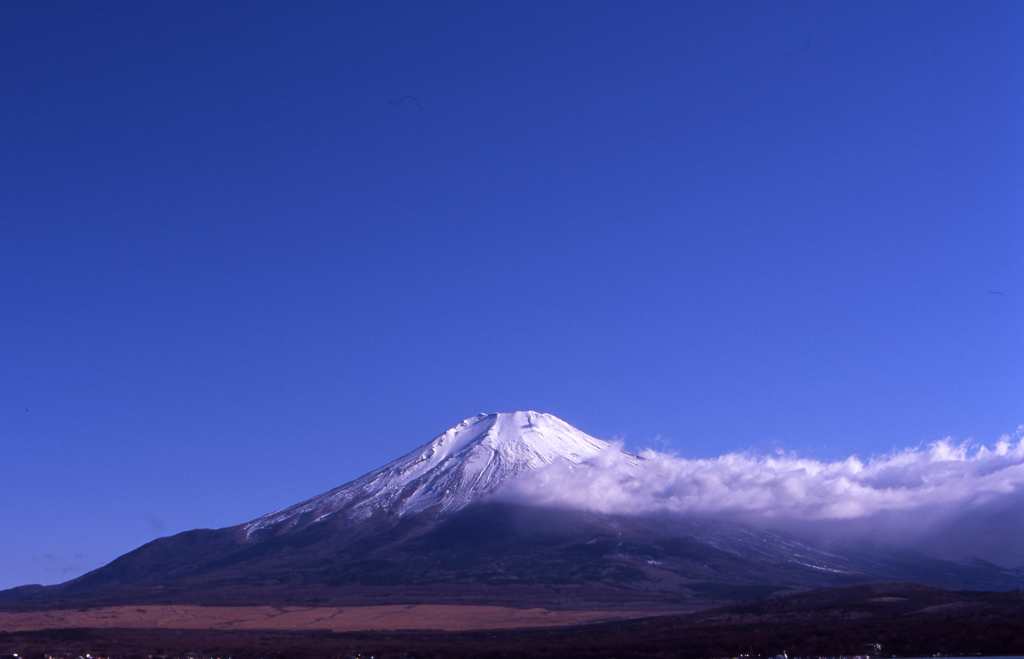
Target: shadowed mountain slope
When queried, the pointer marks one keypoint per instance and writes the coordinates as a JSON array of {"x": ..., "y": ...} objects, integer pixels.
[{"x": 429, "y": 519}]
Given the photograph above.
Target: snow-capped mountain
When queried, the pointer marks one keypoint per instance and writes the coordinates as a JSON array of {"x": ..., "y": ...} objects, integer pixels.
[
  {"x": 456, "y": 468},
  {"x": 433, "y": 518}
]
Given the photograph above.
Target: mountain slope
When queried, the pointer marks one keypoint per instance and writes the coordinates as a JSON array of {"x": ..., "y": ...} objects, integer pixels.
[
  {"x": 453, "y": 470},
  {"x": 429, "y": 519}
]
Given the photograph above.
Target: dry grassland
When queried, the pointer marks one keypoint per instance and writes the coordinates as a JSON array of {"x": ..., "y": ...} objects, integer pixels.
[{"x": 335, "y": 619}]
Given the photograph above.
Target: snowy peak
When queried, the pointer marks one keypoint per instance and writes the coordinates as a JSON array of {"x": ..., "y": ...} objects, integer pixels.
[
  {"x": 530, "y": 438},
  {"x": 451, "y": 471}
]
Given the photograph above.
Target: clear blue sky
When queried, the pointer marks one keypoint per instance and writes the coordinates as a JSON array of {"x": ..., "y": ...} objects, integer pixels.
[{"x": 238, "y": 267}]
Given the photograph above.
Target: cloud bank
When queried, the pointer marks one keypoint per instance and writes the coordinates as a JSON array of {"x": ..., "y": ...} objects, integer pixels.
[{"x": 955, "y": 500}]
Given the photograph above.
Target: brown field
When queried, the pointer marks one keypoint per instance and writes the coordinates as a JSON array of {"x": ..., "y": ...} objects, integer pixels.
[
  {"x": 335, "y": 619},
  {"x": 907, "y": 620}
]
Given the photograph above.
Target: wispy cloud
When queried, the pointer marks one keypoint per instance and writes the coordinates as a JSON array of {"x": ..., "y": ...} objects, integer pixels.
[{"x": 923, "y": 497}]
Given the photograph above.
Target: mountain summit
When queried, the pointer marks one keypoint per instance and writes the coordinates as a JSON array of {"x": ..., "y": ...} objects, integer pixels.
[
  {"x": 456, "y": 468},
  {"x": 431, "y": 527}
]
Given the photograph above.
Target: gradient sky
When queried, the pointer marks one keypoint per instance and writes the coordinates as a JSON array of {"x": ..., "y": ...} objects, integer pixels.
[{"x": 250, "y": 251}]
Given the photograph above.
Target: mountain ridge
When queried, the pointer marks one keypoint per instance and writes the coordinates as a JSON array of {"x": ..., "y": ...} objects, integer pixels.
[
  {"x": 431, "y": 527},
  {"x": 466, "y": 462}
]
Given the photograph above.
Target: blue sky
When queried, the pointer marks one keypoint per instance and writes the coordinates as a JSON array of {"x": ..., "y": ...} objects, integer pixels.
[{"x": 239, "y": 267}]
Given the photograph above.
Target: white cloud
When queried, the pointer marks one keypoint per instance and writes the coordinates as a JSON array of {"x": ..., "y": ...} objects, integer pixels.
[{"x": 922, "y": 497}]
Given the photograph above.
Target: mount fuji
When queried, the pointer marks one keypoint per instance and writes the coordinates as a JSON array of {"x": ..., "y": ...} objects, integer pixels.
[
  {"x": 460, "y": 467},
  {"x": 434, "y": 527}
]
